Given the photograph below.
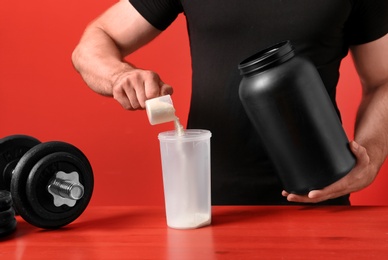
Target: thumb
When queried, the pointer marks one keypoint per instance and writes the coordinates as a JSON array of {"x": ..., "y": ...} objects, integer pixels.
[
  {"x": 165, "y": 89},
  {"x": 360, "y": 153}
]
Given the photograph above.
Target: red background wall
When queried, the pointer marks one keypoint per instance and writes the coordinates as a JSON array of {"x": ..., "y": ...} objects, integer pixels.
[{"x": 41, "y": 95}]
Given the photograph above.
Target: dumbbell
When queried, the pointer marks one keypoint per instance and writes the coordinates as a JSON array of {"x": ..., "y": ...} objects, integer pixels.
[
  {"x": 7, "y": 214},
  {"x": 51, "y": 183}
]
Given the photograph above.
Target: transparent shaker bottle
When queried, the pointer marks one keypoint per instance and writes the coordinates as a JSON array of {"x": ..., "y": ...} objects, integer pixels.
[
  {"x": 186, "y": 178},
  {"x": 185, "y": 158}
]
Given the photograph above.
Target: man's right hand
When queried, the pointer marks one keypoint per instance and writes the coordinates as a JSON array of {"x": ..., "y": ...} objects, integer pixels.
[{"x": 132, "y": 87}]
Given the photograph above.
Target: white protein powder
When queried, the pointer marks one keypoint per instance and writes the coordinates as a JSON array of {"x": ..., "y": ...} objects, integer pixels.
[{"x": 189, "y": 221}]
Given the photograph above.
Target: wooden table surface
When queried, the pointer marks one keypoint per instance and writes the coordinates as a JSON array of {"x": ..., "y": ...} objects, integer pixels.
[{"x": 236, "y": 232}]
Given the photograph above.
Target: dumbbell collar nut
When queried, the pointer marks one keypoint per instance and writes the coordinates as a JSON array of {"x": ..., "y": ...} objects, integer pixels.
[{"x": 65, "y": 188}]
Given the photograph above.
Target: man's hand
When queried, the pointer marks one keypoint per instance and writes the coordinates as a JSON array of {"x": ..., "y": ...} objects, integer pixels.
[
  {"x": 358, "y": 178},
  {"x": 132, "y": 87}
]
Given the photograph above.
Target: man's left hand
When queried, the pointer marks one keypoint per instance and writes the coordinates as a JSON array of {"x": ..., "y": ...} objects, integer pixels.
[{"x": 358, "y": 178}]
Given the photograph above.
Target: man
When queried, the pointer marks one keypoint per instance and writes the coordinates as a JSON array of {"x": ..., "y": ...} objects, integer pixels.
[{"x": 222, "y": 34}]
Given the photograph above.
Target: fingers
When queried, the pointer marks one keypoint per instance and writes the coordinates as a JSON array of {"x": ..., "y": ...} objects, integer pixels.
[
  {"x": 314, "y": 196},
  {"x": 166, "y": 90},
  {"x": 132, "y": 88},
  {"x": 335, "y": 190},
  {"x": 121, "y": 96},
  {"x": 359, "y": 177},
  {"x": 285, "y": 193}
]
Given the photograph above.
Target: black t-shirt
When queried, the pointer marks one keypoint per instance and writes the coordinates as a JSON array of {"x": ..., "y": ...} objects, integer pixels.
[{"x": 222, "y": 33}]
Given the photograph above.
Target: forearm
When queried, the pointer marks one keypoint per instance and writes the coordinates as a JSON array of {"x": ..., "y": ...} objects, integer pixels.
[
  {"x": 98, "y": 60},
  {"x": 372, "y": 124}
]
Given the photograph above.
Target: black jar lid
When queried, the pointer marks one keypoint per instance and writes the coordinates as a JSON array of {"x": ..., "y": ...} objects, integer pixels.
[{"x": 267, "y": 58}]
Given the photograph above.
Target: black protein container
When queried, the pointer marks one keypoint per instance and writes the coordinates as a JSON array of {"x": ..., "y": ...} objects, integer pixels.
[{"x": 285, "y": 99}]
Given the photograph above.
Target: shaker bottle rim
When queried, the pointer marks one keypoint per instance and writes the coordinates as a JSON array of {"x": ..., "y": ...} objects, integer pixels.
[{"x": 190, "y": 135}]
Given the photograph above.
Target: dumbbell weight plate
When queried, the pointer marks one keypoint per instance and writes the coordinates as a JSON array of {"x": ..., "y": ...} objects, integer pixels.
[
  {"x": 42, "y": 202},
  {"x": 7, "y": 214},
  {"x": 7, "y": 222},
  {"x": 5, "y": 200},
  {"x": 12, "y": 148},
  {"x": 32, "y": 175},
  {"x": 8, "y": 228}
]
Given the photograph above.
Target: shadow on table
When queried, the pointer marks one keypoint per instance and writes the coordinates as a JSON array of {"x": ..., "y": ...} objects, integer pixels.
[
  {"x": 93, "y": 220},
  {"x": 113, "y": 220},
  {"x": 22, "y": 229},
  {"x": 223, "y": 215}
]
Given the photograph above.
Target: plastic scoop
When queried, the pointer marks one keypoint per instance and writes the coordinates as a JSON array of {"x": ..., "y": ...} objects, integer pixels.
[{"x": 161, "y": 110}]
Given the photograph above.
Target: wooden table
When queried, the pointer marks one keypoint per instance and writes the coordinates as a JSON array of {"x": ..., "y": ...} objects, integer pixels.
[{"x": 238, "y": 232}]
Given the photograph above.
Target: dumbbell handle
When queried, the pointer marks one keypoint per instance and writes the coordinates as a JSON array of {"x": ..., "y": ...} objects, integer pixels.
[{"x": 66, "y": 188}]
